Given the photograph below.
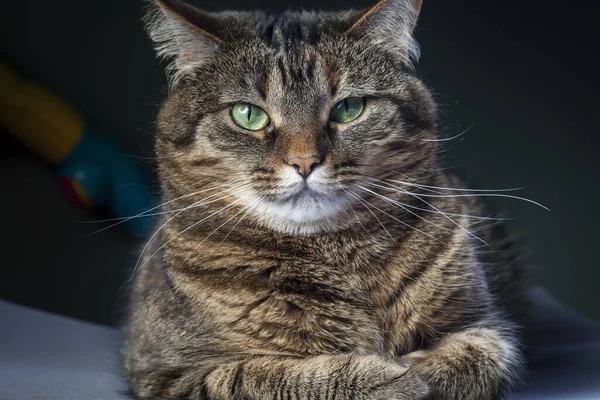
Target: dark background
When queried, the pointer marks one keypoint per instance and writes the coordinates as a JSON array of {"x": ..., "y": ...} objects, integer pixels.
[{"x": 523, "y": 75}]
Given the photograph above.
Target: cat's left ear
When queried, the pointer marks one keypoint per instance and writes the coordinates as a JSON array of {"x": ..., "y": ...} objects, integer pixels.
[{"x": 390, "y": 23}]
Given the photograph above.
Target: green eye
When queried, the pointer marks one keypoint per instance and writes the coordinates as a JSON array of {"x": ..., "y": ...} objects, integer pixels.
[
  {"x": 249, "y": 117},
  {"x": 348, "y": 109}
]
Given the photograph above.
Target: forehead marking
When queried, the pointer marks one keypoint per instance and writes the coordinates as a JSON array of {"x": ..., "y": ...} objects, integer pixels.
[
  {"x": 289, "y": 28},
  {"x": 282, "y": 70}
]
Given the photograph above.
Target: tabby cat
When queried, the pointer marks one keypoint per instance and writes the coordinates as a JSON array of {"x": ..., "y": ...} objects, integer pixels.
[{"x": 311, "y": 246}]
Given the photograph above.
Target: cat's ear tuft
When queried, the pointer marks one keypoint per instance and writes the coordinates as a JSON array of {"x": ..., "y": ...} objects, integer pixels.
[
  {"x": 182, "y": 34},
  {"x": 390, "y": 23}
]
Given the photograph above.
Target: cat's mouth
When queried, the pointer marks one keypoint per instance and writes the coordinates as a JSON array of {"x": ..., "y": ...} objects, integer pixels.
[
  {"x": 304, "y": 205},
  {"x": 308, "y": 194},
  {"x": 303, "y": 194}
]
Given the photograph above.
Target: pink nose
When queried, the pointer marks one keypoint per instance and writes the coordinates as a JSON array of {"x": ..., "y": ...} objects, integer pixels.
[{"x": 304, "y": 165}]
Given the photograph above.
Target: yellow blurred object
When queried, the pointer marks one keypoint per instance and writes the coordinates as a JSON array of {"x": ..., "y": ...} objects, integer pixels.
[{"x": 37, "y": 118}]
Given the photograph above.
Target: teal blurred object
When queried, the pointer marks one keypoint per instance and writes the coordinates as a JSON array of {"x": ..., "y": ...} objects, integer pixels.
[
  {"x": 98, "y": 174},
  {"x": 94, "y": 171}
]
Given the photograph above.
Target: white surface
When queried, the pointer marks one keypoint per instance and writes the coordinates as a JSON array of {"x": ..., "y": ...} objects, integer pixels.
[{"x": 44, "y": 356}]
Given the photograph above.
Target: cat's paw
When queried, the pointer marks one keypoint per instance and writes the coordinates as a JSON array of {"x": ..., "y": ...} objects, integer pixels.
[
  {"x": 408, "y": 386},
  {"x": 387, "y": 379}
]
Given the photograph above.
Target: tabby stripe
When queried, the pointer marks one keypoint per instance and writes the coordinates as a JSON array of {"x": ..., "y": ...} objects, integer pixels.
[
  {"x": 281, "y": 67},
  {"x": 236, "y": 386},
  {"x": 311, "y": 385},
  {"x": 319, "y": 292},
  {"x": 310, "y": 68},
  {"x": 205, "y": 162},
  {"x": 420, "y": 269},
  {"x": 328, "y": 386},
  {"x": 296, "y": 388},
  {"x": 336, "y": 383},
  {"x": 279, "y": 386}
]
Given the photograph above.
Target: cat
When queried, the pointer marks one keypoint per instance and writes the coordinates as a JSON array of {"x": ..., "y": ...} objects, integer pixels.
[{"x": 311, "y": 245}]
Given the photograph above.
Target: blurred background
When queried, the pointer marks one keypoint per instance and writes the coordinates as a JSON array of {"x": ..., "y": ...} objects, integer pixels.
[{"x": 523, "y": 77}]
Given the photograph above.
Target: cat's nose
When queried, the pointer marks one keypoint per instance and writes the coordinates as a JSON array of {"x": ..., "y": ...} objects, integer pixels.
[{"x": 304, "y": 165}]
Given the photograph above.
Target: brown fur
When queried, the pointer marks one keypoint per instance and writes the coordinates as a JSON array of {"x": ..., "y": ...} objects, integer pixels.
[{"x": 382, "y": 300}]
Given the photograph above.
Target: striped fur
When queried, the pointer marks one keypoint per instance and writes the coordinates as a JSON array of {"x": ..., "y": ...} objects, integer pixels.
[{"x": 369, "y": 293}]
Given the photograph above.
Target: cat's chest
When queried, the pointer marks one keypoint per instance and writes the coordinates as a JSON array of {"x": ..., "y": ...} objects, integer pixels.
[
  {"x": 285, "y": 324},
  {"x": 294, "y": 308}
]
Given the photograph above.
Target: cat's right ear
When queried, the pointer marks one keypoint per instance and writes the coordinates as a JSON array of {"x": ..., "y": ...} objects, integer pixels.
[
  {"x": 390, "y": 24},
  {"x": 183, "y": 34}
]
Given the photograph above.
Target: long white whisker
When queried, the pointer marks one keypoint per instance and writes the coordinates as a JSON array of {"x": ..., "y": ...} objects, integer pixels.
[
  {"x": 448, "y": 217},
  {"x": 135, "y": 269},
  {"x": 372, "y": 213},
  {"x": 125, "y": 219},
  {"x": 404, "y": 223},
  {"x": 394, "y": 189},
  {"x": 173, "y": 211},
  {"x": 358, "y": 219},
  {"x": 216, "y": 229},
  {"x": 455, "y": 189},
  {"x": 202, "y": 202},
  {"x": 255, "y": 203},
  {"x": 355, "y": 214},
  {"x": 401, "y": 206},
  {"x": 153, "y": 158},
  {"x": 508, "y": 196},
  {"x": 462, "y": 163},
  {"x": 187, "y": 229},
  {"x": 450, "y": 138}
]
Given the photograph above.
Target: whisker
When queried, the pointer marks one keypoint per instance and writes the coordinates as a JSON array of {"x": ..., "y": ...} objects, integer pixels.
[
  {"x": 478, "y": 217},
  {"x": 355, "y": 214},
  {"x": 225, "y": 25},
  {"x": 187, "y": 229},
  {"x": 125, "y": 219},
  {"x": 372, "y": 213},
  {"x": 153, "y": 158},
  {"x": 358, "y": 219},
  {"x": 331, "y": 224},
  {"x": 409, "y": 225},
  {"x": 450, "y": 138},
  {"x": 402, "y": 222},
  {"x": 216, "y": 229},
  {"x": 447, "y": 217},
  {"x": 508, "y": 196},
  {"x": 253, "y": 207},
  {"x": 135, "y": 269},
  {"x": 404, "y": 208},
  {"x": 200, "y": 202},
  {"x": 455, "y": 189},
  {"x": 462, "y": 163}
]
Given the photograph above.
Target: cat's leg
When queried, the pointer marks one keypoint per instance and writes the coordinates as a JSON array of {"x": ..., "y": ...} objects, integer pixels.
[
  {"x": 339, "y": 377},
  {"x": 370, "y": 377},
  {"x": 481, "y": 362}
]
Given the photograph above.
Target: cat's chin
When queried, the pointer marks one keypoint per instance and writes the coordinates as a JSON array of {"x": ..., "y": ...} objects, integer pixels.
[{"x": 307, "y": 213}]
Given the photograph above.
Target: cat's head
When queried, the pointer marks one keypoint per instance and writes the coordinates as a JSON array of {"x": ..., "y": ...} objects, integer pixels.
[{"x": 288, "y": 113}]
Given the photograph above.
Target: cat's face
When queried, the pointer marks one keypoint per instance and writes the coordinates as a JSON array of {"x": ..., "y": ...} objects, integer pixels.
[{"x": 290, "y": 113}]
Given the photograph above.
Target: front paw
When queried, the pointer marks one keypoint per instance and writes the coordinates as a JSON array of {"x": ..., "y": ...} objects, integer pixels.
[{"x": 386, "y": 379}]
